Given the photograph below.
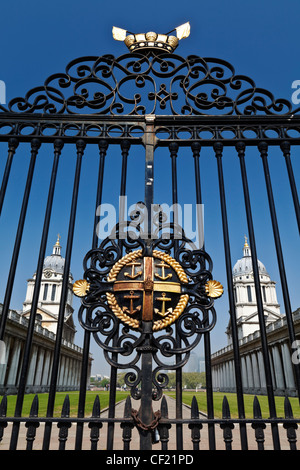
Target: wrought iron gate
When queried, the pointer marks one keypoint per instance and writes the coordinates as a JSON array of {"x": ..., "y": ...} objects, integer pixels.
[{"x": 147, "y": 290}]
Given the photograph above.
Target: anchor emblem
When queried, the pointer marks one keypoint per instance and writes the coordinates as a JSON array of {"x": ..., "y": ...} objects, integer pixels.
[
  {"x": 163, "y": 265},
  {"x": 163, "y": 300},
  {"x": 131, "y": 297},
  {"x": 133, "y": 274}
]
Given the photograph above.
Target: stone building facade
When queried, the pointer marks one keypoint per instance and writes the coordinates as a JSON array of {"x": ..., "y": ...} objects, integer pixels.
[
  {"x": 42, "y": 350},
  {"x": 253, "y": 372},
  {"x": 280, "y": 349}
]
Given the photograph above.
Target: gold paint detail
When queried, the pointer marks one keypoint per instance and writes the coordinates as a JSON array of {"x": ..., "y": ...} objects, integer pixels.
[
  {"x": 163, "y": 299},
  {"x": 163, "y": 266},
  {"x": 214, "y": 289},
  {"x": 151, "y": 36},
  {"x": 169, "y": 318},
  {"x": 131, "y": 297},
  {"x": 81, "y": 287},
  {"x": 133, "y": 274},
  {"x": 138, "y": 41}
]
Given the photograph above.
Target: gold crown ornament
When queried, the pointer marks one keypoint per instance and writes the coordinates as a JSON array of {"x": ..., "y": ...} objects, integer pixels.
[{"x": 142, "y": 42}]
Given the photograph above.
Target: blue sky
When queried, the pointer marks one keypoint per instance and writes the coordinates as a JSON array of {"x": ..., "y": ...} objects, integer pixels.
[{"x": 260, "y": 40}]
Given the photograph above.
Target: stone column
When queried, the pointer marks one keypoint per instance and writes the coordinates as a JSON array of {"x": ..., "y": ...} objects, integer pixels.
[
  {"x": 39, "y": 367},
  {"x": 262, "y": 375},
  {"x": 14, "y": 362},
  {"x": 255, "y": 372},
  {"x": 249, "y": 374},
  {"x": 244, "y": 374},
  {"x": 32, "y": 367},
  {"x": 3, "y": 367},
  {"x": 46, "y": 371},
  {"x": 288, "y": 369},
  {"x": 279, "y": 377}
]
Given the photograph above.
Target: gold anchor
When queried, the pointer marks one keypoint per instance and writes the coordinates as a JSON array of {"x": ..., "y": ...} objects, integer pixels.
[
  {"x": 162, "y": 265},
  {"x": 133, "y": 274},
  {"x": 163, "y": 299},
  {"x": 132, "y": 297}
]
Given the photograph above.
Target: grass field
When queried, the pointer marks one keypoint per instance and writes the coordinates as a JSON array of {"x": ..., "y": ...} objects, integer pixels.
[
  {"x": 59, "y": 399},
  {"x": 187, "y": 399},
  {"x": 248, "y": 401}
]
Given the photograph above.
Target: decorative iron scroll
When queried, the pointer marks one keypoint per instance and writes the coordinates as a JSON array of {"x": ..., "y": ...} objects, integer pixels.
[
  {"x": 144, "y": 292},
  {"x": 170, "y": 83}
]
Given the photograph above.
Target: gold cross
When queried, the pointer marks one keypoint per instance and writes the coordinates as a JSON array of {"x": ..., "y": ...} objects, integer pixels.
[
  {"x": 133, "y": 274},
  {"x": 147, "y": 287},
  {"x": 163, "y": 299},
  {"x": 162, "y": 265}
]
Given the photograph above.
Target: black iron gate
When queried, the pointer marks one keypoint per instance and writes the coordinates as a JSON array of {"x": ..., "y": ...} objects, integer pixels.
[{"x": 147, "y": 289}]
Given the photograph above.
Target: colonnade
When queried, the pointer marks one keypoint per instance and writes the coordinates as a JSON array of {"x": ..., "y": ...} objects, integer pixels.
[
  {"x": 40, "y": 365},
  {"x": 252, "y": 364}
]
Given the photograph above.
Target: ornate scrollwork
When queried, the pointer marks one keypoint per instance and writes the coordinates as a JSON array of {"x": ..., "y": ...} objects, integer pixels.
[
  {"x": 114, "y": 295},
  {"x": 170, "y": 83}
]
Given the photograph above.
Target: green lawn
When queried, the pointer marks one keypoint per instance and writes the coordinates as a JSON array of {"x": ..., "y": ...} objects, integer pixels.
[
  {"x": 187, "y": 398},
  {"x": 60, "y": 396},
  {"x": 248, "y": 401}
]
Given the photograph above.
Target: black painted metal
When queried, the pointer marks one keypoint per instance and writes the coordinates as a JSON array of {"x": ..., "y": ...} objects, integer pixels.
[{"x": 188, "y": 99}]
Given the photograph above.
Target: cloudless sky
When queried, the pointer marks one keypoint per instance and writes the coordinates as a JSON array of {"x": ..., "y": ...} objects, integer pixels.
[{"x": 259, "y": 38}]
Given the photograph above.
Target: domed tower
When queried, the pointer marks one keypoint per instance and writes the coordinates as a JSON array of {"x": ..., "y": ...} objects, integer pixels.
[
  {"x": 50, "y": 293},
  {"x": 245, "y": 298}
]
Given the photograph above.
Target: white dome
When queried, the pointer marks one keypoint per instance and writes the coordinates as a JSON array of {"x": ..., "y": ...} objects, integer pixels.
[
  {"x": 244, "y": 265},
  {"x": 55, "y": 263}
]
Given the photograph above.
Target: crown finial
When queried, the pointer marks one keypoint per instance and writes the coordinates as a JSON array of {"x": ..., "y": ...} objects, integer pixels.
[{"x": 151, "y": 40}]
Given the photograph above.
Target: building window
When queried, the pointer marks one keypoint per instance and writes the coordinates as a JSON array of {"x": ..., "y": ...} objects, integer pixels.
[
  {"x": 249, "y": 294},
  {"x": 53, "y": 292},
  {"x": 264, "y": 293},
  {"x": 45, "y": 292}
]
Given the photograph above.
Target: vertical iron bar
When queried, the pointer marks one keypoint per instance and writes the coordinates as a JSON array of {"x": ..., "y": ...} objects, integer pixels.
[
  {"x": 209, "y": 389},
  {"x": 195, "y": 428},
  {"x": 32, "y": 425},
  {"x": 290, "y": 427},
  {"x": 237, "y": 361},
  {"x": 58, "y": 144},
  {"x": 87, "y": 336},
  {"x": 35, "y": 145},
  {"x": 64, "y": 426},
  {"x": 95, "y": 427},
  {"x": 127, "y": 427},
  {"x": 263, "y": 148},
  {"x": 258, "y": 426},
  {"x": 227, "y": 427},
  {"x": 263, "y": 335},
  {"x": 80, "y": 145},
  {"x": 125, "y": 146},
  {"x": 285, "y": 147},
  {"x": 12, "y": 146},
  {"x": 145, "y": 411},
  {"x": 149, "y": 142},
  {"x": 173, "y": 147}
]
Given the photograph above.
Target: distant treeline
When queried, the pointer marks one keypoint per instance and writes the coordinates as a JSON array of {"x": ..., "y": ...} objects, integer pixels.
[{"x": 190, "y": 380}]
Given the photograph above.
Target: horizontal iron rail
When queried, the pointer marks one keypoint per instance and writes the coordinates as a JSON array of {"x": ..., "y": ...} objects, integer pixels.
[
  {"x": 162, "y": 421},
  {"x": 115, "y": 128}
]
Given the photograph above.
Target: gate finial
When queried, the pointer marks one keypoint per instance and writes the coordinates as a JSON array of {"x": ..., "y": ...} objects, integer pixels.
[{"x": 142, "y": 42}]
